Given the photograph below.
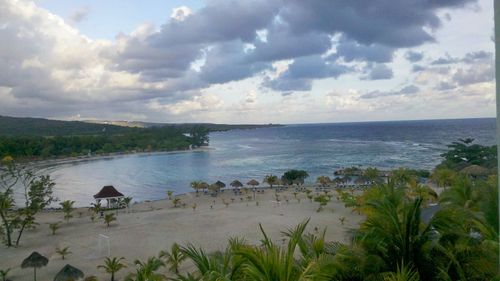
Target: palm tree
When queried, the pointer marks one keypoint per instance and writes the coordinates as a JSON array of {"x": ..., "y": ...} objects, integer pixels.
[
  {"x": 67, "y": 207},
  {"x": 63, "y": 252},
  {"x": 112, "y": 266},
  {"x": 173, "y": 258},
  {"x": 108, "y": 218},
  {"x": 271, "y": 180},
  {"x": 54, "y": 227},
  {"x": 195, "y": 185},
  {"x": 462, "y": 193},
  {"x": 371, "y": 174},
  {"x": 170, "y": 193},
  {"x": 147, "y": 271},
  {"x": 176, "y": 202},
  {"x": 127, "y": 201},
  {"x": 4, "y": 273},
  {"x": 443, "y": 177}
]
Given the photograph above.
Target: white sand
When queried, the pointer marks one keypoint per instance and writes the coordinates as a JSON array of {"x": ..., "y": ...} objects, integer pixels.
[{"x": 153, "y": 226}]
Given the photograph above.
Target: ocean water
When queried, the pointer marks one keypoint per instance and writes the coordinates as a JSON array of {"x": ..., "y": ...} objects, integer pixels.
[{"x": 245, "y": 154}]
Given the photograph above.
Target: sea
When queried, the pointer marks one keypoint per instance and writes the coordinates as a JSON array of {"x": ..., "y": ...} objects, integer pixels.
[{"x": 320, "y": 149}]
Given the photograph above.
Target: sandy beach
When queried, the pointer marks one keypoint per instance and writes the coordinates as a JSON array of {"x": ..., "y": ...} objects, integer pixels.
[{"x": 149, "y": 227}]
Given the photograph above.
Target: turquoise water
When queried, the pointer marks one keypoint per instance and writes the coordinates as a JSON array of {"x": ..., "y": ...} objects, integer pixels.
[{"x": 246, "y": 154}]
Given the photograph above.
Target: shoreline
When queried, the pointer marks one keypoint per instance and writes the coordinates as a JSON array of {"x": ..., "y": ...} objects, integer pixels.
[{"x": 51, "y": 162}]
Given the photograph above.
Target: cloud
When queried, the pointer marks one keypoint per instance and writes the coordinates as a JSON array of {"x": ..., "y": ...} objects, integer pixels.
[
  {"x": 181, "y": 13},
  {"x": 413, "y": 56},
  {"x": 405, "y": 91},
  {"x": 447, "y": 59},
  {"x": 79, "y": 14},
  {"x": 392, "y": 23},
  {"x": 300, "y": 74},
  {"x": 377, "y": 72},
  {"x": 350, "y": 51},
  {"x": 226, "y": 62},
  {"x": 50, "y": 69}
]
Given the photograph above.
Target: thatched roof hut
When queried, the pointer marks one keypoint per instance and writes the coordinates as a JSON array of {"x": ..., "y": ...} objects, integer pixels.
[
  {"x": 108, "y": 192},
  {"x": 475, "y": 171}
]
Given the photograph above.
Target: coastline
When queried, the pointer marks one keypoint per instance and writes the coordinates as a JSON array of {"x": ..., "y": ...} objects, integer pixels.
[{"x": 51, "y": 162}]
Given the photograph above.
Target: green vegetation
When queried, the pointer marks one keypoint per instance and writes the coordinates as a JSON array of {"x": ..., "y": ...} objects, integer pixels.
[
  {"x": 37, "y": 194},
  {"x": 67, "y": 208},
  {"x": 294, "y": 177},
  {"x": 112, "y": 266},
  {"x": 63, "y": 252},
  {"x": 464, "y": 153},
  {"x": 109, "y": 218},
  {"x": 28, "y": 138}
]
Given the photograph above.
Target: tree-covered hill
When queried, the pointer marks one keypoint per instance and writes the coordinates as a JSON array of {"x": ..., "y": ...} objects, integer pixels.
[{"x": 23, "y": 126}]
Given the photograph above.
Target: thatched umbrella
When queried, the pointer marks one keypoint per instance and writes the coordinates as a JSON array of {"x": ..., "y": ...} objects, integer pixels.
[
  {"x": 214, "y": 188},
  {"x": 220, "y": 184},
  {"x": 203, "y": 185},
  {"x": 475, "y": 171},
  {"x": 236, "y": 184},
  {"x": 69, "y": 273},
  {"x": 253, "y": 183},
  {"x": 35, "y": 260}
]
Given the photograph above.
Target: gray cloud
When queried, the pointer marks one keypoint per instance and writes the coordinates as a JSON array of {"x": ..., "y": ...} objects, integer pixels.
[
  {"x": 418, "y": 68},
  {"x": 447, "y": 59},
  {"x": 226, "y": 62},
  {"x": 282, "y": 44},
  {"x": 391, "y": 23},
  {"x": 302, "y": 71},
  {"x": 79, "y": 14},
  {"x": 474, "y": 74},
  {"x": 413, "y": 56},
  {"x": 405, "y": 91},
  {"x": 350, "y": 50},
  {"x": 445, "y": 86},
  {"x": 378, "y": 72}
]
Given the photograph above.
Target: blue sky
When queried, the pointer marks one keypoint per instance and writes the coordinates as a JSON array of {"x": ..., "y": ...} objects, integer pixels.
[{"x": 247, "y": 61}]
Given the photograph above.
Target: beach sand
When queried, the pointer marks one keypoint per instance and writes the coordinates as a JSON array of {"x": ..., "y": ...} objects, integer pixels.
[{"x": 149, "y": 227}]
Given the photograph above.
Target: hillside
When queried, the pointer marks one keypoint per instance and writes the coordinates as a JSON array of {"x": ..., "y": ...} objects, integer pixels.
[{"x": 23, "y": 126}]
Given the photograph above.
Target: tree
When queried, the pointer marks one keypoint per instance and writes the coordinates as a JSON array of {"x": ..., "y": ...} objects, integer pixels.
[
  {"x": 294, "y": 177},
  {"x": 322, "y": 200},
  {"x": 63, "y": 252},
  {"x": 271, "y": 180},
  {"x": 112, "y": 266},
  {"x": 54, "y": 227},
  {"x": 176, "y": 202},
  {"x": 108, "y": 218},
  {"x": 127, "y": 201},
  {"x": 37, "y": 191},
  {"x": 371, "y": 174},
  {"x": 170, "y": 194},
  {"x": 147, "y": 271},
  {"x": 4, "y": 273},
  {"x": 443, "y": 177},
  {"x": 67, "y": 208},
  {"x": 173, "y": 258},
  {"x": 464, "y": 153}
]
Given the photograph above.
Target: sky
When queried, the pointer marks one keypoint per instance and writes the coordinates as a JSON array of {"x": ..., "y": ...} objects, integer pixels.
[{"x": 247, "y": 61}]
